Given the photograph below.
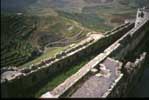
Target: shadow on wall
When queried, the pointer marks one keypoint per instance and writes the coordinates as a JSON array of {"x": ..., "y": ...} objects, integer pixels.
[{"x": 142, "y": 88}]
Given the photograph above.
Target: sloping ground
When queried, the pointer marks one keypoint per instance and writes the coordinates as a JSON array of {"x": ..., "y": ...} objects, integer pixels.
[
  {"x": 55, "y": 28},
  {"x": 57, "y": 23},
  {"x": 113, "y": 13},
  {"x": 23, "y": 37},
  {"x": 89, "y": 20},
  {"x": 15, "y": 47}
]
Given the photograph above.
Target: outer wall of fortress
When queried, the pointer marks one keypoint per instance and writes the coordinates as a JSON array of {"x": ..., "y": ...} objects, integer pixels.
[{"x": 23, "y": 83}]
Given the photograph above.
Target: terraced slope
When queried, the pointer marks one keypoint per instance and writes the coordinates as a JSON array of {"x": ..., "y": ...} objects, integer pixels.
[
  {"x": 54, "y": 24},
  {"x": 15, "y": 49},
  {"x": 24, "y": 37}
]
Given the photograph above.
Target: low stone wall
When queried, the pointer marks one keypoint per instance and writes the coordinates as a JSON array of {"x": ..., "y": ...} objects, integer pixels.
[{"x": 34, "y": 75}]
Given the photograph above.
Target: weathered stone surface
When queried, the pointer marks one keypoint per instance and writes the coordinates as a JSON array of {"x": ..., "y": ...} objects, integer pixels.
[
  {"x": 96, "y": 86},
  {"x": 9, "y": 75},
  {"x": 94, "y": 70}
]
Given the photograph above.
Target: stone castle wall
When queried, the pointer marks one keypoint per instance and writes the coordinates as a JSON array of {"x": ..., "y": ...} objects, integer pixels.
[
  {"x": 130, "y": 40},
  {"x": 131, "y": 74},
  {"x": 125, "y": 37},
  {"x": 32, "y": 77},
  {"x": 118, "y": 50},
  {"x": 131, "y": 71}
]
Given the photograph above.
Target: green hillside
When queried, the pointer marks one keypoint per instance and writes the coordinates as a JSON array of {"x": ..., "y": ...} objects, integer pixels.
[
  {"x": 48, "y": 26},
  {"x": 24, "y": 37},
  {"x": 15, "y": 48}
]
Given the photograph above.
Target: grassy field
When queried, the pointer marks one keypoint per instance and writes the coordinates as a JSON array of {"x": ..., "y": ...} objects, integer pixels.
[
  {"x": 104, "y": 17},
  {"x": 49, "y": 53},
  {"x": 89, "y": 20},
  {"x": 114, "y": 14}
]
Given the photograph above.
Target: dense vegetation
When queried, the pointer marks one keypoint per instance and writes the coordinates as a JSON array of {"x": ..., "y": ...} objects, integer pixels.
[
  {"x": 24, "y": 36},
  {"x": 15, "y": 48},
  {"x": 56, "y": 23}
]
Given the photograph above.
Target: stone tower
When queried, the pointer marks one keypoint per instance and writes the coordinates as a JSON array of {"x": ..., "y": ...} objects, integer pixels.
[{"x": 142, "y": 15}]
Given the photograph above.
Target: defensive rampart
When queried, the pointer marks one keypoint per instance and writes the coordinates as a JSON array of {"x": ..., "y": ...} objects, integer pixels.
[
  {"x": 118, "y": 50},
  {"x": 26, "y": 78}
]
